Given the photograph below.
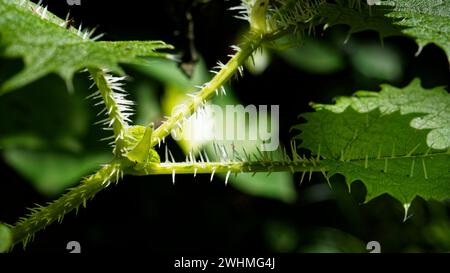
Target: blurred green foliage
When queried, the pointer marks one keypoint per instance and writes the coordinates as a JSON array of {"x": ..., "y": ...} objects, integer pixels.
[
  {"x": 5, "y": 238},
  {"x": 314, "y": 56},
  {"x": 48, "y": 137},
  {"x": 374, "y": 61}
]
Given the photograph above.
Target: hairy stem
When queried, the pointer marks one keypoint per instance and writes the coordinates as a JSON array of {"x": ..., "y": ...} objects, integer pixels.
[
  {"x": 40, "y": 217},
  {"x": 116, "y": 118},
  {"x": 208, "y": 89},
  {"x": 252, "y": 43},
  {"x": 233, "y": 167}
]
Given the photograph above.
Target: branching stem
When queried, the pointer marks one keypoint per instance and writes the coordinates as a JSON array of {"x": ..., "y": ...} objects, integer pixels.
[{"x": 42, "y": 216}]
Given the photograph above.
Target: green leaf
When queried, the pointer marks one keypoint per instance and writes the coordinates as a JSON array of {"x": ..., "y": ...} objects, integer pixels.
[
  {"x": 47, "y": 46},
  {"x": 169, "y": 73},
  {"x": 278, "y": 186},
  {"x": 25, "y": 114},
  {"x": 377, "y": 62},
  {"x": 54, "y": 171},
  {"x": 381, "y": 150},
  {"x": 434, "y": 103},
  {"x": 314, "y": 57},
  {"x": 52, "y": 149},
  {"x": 426, "y": 21},
  {"x": 147, "y": 103},
  {"x": 5, "y": 238}
]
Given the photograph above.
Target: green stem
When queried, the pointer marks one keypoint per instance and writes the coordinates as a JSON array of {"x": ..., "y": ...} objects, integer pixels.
[
  {"x": 252, "y": 43},
  {"x": 40, "y": 217},
  {"x": 208, "y": 90},
  {"x": 232, "y": 167},
  {"x": 115, "y": 115}
]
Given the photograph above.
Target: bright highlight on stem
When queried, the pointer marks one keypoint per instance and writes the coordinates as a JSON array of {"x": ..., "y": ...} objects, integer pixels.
[{"x": 117, "y": 110}]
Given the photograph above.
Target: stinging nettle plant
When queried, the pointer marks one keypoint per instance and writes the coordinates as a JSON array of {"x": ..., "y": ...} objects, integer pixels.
[{"x": 396, "y": 141}]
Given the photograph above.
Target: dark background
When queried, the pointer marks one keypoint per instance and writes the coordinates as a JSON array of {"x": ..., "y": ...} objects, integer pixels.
[{"x": 196, "y": 216}]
